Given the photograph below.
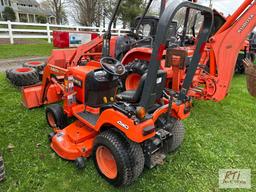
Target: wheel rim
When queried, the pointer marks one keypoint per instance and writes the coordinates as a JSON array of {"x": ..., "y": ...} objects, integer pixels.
[
  {"x": 51, "y": 120},
  {"x": 23, "y": 69},
  {"x": 132, "y": 81},
  {"x": 106, "y": 162},
  {"x": 34, "y": 63}
]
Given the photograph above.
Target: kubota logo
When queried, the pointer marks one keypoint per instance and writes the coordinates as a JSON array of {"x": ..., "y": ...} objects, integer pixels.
[
  {"x": 246, "y": 23},
  {"x": 55, "y": 70},
  {"x": 123, "y": 125}
]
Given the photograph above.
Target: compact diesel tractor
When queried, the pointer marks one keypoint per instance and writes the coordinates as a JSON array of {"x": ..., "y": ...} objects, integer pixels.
[{"x": 124, "y": 131}]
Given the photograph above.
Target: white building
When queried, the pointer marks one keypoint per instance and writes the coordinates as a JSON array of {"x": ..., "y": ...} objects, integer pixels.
[{"x": 27, "y": 11}]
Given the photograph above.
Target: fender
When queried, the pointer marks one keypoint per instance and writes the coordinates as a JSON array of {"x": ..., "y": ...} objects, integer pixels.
[
  {"x": 140, "y": 53},
  {"x": 126, "y": 125}
]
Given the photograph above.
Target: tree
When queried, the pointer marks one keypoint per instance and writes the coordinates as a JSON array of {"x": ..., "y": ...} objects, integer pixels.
[
  {"x": 41, "y": 19},
  {"x": 57, "y": 7},
  {"x": 9, "y": 14},
  {"x": 96, "y": 12},
  {"x": 87, "y": 12},
  {"x": 130, "y": 9}
]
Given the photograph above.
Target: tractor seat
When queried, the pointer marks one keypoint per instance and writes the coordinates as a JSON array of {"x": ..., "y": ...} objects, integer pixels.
[{"x": 133, "y": 96}]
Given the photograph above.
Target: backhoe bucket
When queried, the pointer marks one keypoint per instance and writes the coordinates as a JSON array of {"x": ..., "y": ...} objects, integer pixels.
[
  {"x": 31, "y": 96},
  {"x": 250, "y": 71}
]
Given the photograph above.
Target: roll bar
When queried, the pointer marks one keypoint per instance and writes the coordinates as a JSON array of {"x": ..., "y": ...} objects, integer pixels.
[
  {"x": 149, "y": 93},
  {"x": 107, "y": 35}
]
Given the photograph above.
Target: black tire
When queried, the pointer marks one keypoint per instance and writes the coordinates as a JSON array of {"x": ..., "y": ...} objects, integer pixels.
[
  {"x": 38, "y": 65},
  {"x": 176, "y": 128},
  {"x": 128, "y": 156},
  {"x": 22, "y": 76},
  {"x": 50, "y": 136},
  {"x": 59, "y": 118},
  {"x": 139, "y": 67},
  {"x": 239, "y": 69},
  {"x": 178, "y": 132},
  {"x": 2, "y": 170},
  {"x": 7, "y": 72}
]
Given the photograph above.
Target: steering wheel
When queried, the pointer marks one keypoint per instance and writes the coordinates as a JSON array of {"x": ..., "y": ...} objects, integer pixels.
[{"x": 112, "y": 66}]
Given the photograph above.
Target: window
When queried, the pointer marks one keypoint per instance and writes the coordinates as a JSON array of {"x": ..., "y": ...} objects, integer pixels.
[
  {"x": 2, "y": 2},
  {"x": 145, "y": 29},
  {"x": 6, "y": 2}
]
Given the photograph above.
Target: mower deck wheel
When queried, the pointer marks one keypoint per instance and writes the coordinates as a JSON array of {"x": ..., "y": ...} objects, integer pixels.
[
  {"x": 50, "y": 136},
  {"x": 55, "y": 117},
  {"x": 2, "y": 171},
  {"x": 117, "y": 159},
  {"x": 80, "y": 163}
]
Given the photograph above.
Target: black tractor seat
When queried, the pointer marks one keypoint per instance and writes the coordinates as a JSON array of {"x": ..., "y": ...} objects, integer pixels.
[{"x": 134, "y": 96}]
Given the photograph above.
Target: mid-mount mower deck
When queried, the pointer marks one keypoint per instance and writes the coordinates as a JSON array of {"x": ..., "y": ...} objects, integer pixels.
[{"x": 124, "y": 131}]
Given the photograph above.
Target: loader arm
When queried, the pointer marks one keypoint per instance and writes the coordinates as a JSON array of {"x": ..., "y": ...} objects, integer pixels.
[
  {"x": 226, "y": 44},
  {"x": 82, "y": 50},
  {"x": 50, "y": 72},
  {"x": 49, "y": 91}
]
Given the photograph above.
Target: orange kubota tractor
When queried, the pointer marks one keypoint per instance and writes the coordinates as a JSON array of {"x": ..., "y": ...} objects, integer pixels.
[{"x": 125, "y": 131}]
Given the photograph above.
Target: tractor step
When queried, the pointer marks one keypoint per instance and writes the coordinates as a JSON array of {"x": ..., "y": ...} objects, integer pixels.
[{"x": 89, "y": 117}]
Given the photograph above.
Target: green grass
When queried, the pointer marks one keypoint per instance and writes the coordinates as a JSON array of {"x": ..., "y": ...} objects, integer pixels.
[
  {"x": 218, "y": 135},
  {"x": 13, "y": 51}
]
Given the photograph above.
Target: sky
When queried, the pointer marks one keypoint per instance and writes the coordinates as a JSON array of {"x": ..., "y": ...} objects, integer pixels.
[{"x": 225, "y": 6}]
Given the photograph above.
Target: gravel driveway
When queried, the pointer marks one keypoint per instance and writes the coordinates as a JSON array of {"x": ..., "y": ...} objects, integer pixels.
[{"x": 10, "y": 63}]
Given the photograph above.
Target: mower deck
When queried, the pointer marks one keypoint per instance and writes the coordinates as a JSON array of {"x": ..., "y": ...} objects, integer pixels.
[{"x": 76, "y": 140}]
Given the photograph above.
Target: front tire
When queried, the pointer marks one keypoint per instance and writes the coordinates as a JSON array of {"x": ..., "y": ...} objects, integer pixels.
[
  {"x": 117, "y": 159},
  {"x": 55, "y": 116}
]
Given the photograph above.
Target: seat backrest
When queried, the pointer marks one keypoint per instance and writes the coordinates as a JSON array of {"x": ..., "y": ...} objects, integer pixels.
[{"x": 160, "y": 85}]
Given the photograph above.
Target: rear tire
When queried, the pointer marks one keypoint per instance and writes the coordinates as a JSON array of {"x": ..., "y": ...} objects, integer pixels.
[
  {"x": 178, "y": 132},
  {"x": 55, "y": 117},
  {"x": 22, "y": 76},
  {"x": 117, "y": 159},
  {"x": 135, "y": 71},
  {"x": 2, "y": 170},
  {"x": 176, "y": 128}
]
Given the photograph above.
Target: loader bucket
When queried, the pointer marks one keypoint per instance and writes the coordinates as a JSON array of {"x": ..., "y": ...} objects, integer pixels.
[{"x": 31, "y": 96}]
